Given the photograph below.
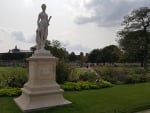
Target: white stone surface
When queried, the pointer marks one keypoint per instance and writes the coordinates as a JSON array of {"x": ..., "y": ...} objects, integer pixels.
[
  {"x": 42, "y": 30},
  {"x": 41, "y": 90}
]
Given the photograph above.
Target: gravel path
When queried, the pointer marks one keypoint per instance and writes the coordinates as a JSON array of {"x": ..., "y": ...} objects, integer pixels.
[{"x": 146, "y": 111}]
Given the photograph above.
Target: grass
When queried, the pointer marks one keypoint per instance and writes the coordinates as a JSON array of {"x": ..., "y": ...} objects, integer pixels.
[{"x": 118, "y": 99}]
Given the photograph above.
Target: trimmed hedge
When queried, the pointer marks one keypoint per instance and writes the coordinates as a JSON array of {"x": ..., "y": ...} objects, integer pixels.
[
  {"x": 10, "y": 91},
  {"x": 77, "y": 86}
]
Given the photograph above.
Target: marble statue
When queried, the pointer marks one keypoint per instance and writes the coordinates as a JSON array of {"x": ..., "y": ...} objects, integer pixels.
[
  {"x": 41, "y": 90},
  {"x": 42, "y": 30}
]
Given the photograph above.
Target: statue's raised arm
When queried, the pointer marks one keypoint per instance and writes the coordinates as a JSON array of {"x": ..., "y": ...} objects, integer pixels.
[{"x": 42, "y": 30}]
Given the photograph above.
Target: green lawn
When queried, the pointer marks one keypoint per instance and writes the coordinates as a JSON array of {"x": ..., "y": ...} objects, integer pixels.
[{"x": 118, "y": 99}]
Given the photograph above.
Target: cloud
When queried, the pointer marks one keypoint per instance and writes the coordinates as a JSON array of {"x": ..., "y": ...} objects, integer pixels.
[
  {"x": 15, "y": 34},
  {"x": 107, "y": 13},
  {"x": 77, "y": 48},
  {"x": 18, "y": 35},
  {"x": 31, "y": 39}
]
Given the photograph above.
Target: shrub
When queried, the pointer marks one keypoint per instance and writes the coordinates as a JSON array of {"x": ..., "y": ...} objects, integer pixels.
[
  {"x": 68, "y": 86},
  {"x": 88, "y": 75},
  {"x": 135, "y": 78},
  {"x": 74, "y": 75},
  {"x": 12, "y": 76},
  {"x": 104, "y": 84},
  {"x": 121, "y": 75},
  {"x": 83, "y": 74},
  {"x": 10, "y": 91},
  {"x": 62, "y": 72},
  {"x": 81, "y": 85}
]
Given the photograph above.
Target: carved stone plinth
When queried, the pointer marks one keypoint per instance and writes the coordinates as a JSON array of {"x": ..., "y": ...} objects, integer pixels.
[{"x": 41, "y": 90}]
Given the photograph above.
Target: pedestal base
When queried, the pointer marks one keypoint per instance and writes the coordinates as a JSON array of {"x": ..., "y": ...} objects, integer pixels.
[
  {"x": 41, "y": 91},
  {"x": 31, "y": 100}
]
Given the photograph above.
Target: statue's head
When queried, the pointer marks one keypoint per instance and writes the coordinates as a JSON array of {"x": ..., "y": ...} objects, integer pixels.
[{"x": 43, "y": 6}]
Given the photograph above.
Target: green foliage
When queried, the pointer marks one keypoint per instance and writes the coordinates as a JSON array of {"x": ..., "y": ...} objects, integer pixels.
[
  {"x": 12, "y": 76},
  {"x": 10, "y": 91},
  {"x": 95, "y": 56},
  {"x": 133, "y": 45},
  {"x": 104, "y": 84},
  {"x": 83, "y": 74},
  {"x": 81, "y": 85},
  {"x": 111, "y": 54},
  {"x": 123, "y": 75},
  {"x": 134, "y": 38},
  {"x": 55, "y": 48},
  {"x": 88, "y": 75},
  {"x": 62, "y": 72},
  {"x": 72, "y": 57},
  {"x": 74, "y": 75}
]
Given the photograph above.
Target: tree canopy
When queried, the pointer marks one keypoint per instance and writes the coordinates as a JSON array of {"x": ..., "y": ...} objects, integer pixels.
[
  {"x": 55, "y": 48},
  {"x": 134, "y": 37},
  {"x": 108, "y": 54}
]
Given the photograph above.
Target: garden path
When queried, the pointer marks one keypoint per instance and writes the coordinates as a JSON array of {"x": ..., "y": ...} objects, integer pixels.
[{"x": 146, "y": 111}]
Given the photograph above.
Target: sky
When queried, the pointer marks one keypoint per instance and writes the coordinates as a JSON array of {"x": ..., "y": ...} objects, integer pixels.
[{"x": 80, "y": 25}]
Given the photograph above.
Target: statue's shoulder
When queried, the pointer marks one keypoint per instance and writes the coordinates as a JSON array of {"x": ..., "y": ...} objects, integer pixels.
[{"x": 40, "y": 13}]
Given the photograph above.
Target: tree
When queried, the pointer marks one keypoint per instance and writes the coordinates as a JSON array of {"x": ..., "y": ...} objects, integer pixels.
[
  {"x": 95, "y": 56},
  {"x": 33, "y": 48},
  {"x": 55, "y": 48},
  {"x": 56, "y": 43},
  {"x": 133, "y": 45},
  {"x": 135, "y": 23},
  {"x": 72, "y": 57},
  {"x": 111, "y": 54},
  {"x": 82, "y": 59}
]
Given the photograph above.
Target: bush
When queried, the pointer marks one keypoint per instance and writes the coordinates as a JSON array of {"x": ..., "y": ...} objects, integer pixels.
[
  {"x": 77, "y": 86},
  {"x": 122, "y": 75},
  {"x": 88, "y": 75},
  {"x": 10, "y": 91},
  {"x": 104, "y": 84},
  {"x": 74, "y": 75},
  {"x": 83, "y": 74},
  {"x": 62, "y": 72},
  {"x": 12, "y": 76}
]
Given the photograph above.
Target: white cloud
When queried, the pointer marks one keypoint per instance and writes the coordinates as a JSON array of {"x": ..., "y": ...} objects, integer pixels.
[
  {"x": 18, "y": 35},
  {"x": 77, "y": 48}
]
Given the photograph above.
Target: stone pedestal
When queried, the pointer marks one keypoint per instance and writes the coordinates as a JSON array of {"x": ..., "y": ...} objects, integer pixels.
[{"x": 41, "y": 90}]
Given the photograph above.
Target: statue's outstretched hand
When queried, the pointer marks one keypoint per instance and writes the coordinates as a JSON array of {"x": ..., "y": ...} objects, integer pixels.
[{"x": 49, "y": 18}]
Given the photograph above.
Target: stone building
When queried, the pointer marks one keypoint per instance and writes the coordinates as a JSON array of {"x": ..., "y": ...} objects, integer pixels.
[{"x": 15, "y": 57}]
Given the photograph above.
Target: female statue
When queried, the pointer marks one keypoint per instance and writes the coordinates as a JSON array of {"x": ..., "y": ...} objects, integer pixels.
[{"x": 42, "y": 30}]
